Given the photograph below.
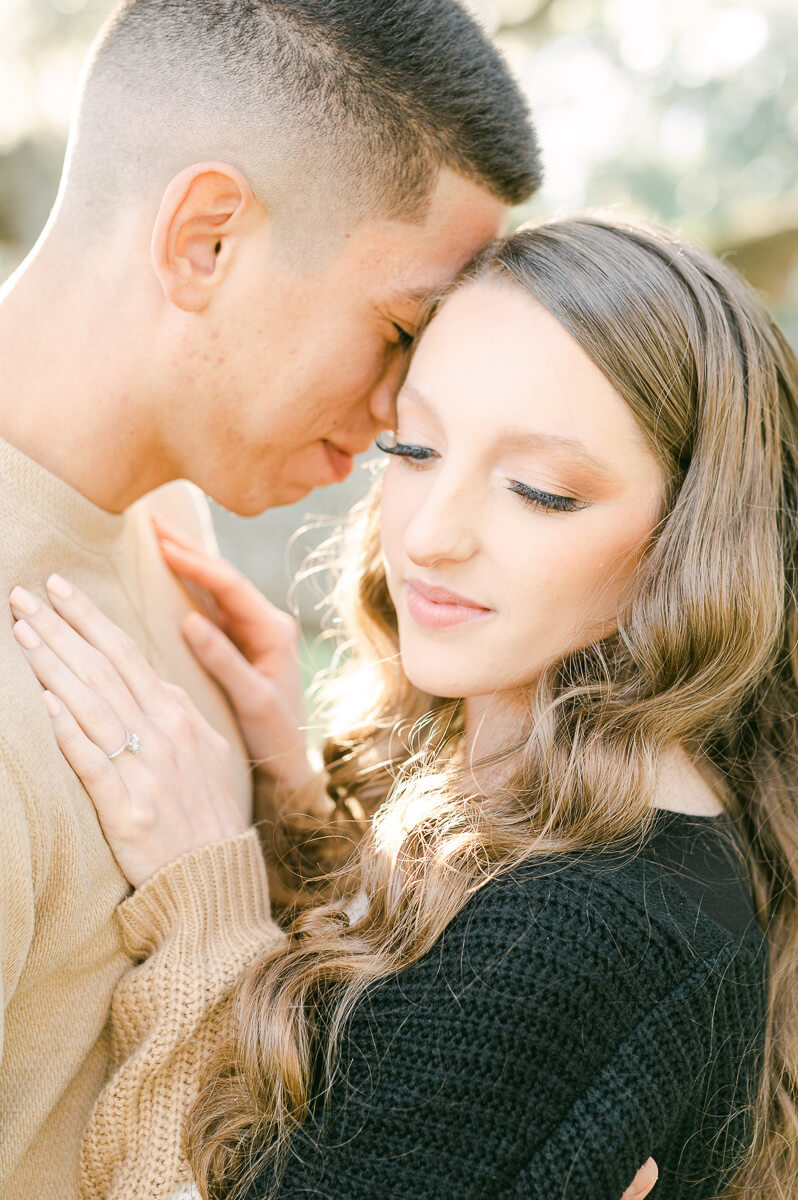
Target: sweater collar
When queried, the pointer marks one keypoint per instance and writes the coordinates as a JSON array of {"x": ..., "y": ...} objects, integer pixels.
[{"x": 32, "y": 486}]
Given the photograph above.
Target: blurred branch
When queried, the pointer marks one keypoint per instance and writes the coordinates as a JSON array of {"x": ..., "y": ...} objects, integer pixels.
[{"x": 767, "y": 261}]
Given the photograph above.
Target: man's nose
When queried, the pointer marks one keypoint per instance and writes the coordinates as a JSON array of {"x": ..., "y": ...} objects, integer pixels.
[
  {"x": 382, "y": 402},
  {"x": 363, "y": 427}
]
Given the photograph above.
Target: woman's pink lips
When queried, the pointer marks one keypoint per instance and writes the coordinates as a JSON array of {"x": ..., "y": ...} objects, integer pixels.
[{"x": 437, "y": 608}]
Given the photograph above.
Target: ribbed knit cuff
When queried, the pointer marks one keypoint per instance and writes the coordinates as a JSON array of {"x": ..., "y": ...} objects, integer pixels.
[{"x": 217, "y": 895}]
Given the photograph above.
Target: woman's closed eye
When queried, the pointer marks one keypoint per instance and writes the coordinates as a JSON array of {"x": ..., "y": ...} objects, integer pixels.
[
  {"x": 548, "y": 501},
  {"x": 406, "y": 450},
  {"x": 415, "y": 455}
]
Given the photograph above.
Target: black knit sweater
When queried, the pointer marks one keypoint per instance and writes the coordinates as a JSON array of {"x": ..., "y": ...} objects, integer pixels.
[{"x": 576, "y": 1017}]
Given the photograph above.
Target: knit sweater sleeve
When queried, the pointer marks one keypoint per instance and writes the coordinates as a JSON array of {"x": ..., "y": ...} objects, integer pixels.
[
  {"x": 653, "y": 1097},
  {"x": 191, "y": 930},
  {"x": 554, "y": 1039}
]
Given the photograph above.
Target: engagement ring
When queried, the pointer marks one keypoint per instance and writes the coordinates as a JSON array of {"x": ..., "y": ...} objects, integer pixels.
[{"x": 132, "y": 744}]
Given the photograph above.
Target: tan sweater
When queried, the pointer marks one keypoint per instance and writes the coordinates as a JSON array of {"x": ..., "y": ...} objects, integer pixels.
[
  {"x": 192, "y": 929},
  {"x": 63, "y": 948}
]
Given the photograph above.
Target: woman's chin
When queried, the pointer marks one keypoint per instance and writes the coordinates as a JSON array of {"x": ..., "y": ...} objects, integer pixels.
[{"x": 438, "y": 683}]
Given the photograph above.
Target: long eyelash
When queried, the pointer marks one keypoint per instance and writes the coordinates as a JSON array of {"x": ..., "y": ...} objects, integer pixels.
[
  {"x": 546, "y": 500},
  {"x": 401, "y": 450}
]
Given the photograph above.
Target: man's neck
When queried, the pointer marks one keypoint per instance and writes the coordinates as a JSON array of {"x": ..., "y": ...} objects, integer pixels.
[{"x": 73, "y": 396}]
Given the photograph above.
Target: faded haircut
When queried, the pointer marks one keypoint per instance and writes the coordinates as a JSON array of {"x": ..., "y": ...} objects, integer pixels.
[{"x": 335, "y": 109}]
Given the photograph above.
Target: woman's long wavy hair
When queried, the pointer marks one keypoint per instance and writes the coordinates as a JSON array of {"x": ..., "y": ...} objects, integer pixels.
[{"x": 705, "y": 657}]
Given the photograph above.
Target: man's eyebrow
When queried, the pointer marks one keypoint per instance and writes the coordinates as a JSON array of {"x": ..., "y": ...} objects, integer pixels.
[
  {"x": 523, "y": 438},
  {"x": 412, "y": 295}
]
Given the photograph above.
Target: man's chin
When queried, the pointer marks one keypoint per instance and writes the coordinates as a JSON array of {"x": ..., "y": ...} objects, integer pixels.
[
  {"x": 282, "y": 497},
  {"x": 319, "y": 465},
  {"x": 290, "y": 495},
  {"x": 252, "y": 504}
]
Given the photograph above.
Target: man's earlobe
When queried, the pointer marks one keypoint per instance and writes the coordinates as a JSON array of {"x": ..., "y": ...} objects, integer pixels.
[{"x": 204, "y": 208}]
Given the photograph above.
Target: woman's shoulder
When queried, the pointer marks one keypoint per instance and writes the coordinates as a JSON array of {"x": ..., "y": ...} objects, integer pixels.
[
  {"x": 567, "y": 995},
  {"x": 580, "y": 977},
  {"x": 617, "y": 913}
]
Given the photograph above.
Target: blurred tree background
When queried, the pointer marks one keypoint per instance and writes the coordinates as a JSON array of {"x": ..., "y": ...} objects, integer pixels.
[{"x": 681, "y": 110}]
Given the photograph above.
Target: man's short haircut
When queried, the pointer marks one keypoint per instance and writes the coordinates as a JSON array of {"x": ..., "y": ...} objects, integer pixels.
[{"x": 338, "y": 106}]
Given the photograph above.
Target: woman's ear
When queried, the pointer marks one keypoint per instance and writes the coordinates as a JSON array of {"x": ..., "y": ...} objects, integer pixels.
[{"x": 202, "y": 212}]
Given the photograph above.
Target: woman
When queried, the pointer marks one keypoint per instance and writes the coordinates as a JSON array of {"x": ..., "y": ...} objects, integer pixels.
[{"x": 572, "y": 673}]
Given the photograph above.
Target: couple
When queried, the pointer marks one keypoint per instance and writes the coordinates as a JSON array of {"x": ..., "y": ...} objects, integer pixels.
[{"x": 533, "y": 920}]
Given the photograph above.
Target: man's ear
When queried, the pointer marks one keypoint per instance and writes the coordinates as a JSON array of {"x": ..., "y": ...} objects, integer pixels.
[{"x": 202, "y": 211}]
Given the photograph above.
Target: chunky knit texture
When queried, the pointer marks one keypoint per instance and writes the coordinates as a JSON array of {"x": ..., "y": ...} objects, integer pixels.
[
  {"x": 575, "y": 1018},
  {"x": 192, "y": 929},
  {"x": 61, "y": 945}
]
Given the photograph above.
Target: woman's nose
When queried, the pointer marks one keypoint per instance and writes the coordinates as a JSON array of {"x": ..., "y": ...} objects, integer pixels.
[{"x": 442, "y": 529}]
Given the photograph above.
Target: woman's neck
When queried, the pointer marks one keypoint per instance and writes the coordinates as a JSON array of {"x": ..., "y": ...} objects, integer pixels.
[{"x": 493, "y": 724}]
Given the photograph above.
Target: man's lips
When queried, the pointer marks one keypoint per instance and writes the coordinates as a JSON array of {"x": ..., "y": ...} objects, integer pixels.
[{"x": 437, "y": 608}]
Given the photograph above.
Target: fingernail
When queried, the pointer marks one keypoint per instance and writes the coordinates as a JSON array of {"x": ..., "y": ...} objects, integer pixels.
[
  {"x": 53, "y": 704},
  {"x": 25, "y": 601},
  {"x": 59, "y": 587},
  {"x": 26, "y": 636}
]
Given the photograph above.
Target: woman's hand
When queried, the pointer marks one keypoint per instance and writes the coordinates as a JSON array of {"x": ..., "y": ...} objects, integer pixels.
[
  {"x": 250, "y": 648},
  {"x": 643, "y": 1181},
  {"x": 176, "y": 793}
]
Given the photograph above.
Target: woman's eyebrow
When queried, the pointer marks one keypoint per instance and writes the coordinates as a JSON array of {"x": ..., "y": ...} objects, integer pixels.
[
  {"x": 529, "y": 439},
  {"x": 408, "y": 392},
  {"x": 573, "y": 447}
]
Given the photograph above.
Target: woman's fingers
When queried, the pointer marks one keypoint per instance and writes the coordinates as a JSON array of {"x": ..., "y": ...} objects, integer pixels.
[
  {"x": 225, "y": 663},
  {"x": 164, "y": 527},
  {"x": 643, "y": 1181},
  {"x": 89, "y": 762},
  {"x": 244, "y": 613},
  {"x": 117, "y": 648},
  {"x": 193, "y": 572},
  {"x": 214, "y": 574},
  {"x": 175, "y": 792},
  {"x": 94, "y": 715},
  {"x": 90, "y": 666},
  {"x": 271, "y": 722}
]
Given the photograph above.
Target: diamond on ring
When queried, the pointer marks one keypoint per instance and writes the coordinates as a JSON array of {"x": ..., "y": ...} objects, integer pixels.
[{"x": 132, "y": 743}]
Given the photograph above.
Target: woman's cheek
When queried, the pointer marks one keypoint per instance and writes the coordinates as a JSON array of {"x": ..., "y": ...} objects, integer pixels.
[
  {"x": 393, "y": 522},
  {"x": 560, "y": 578},
  {"x": 591, "y": 579}
]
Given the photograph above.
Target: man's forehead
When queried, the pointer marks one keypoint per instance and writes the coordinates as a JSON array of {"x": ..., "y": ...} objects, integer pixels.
[
  {"x": 445, "y": 245},
  {"x": 463, "y": 217},
  {"x": 408, "y": 262}
]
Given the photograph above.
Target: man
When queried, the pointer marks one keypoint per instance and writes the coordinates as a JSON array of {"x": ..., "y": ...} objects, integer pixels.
[{"x": 256, "y": 199}]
